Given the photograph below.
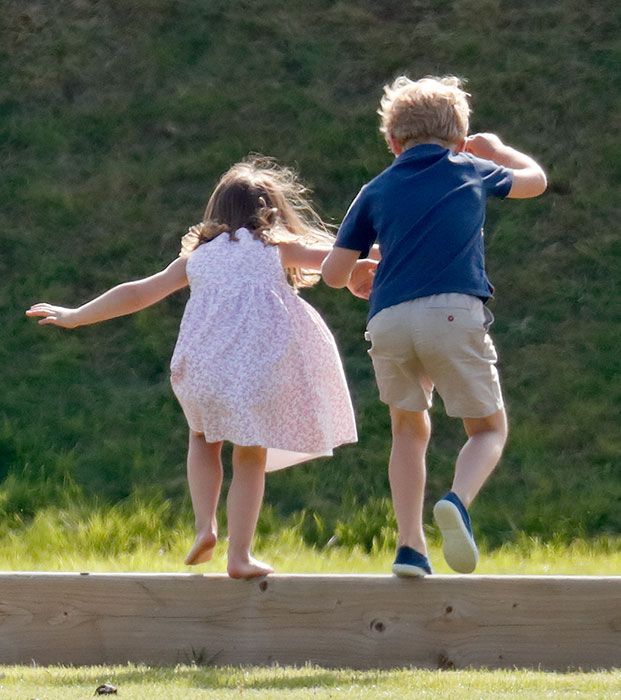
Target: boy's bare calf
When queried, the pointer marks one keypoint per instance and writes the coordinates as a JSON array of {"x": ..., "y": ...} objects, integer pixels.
[
  {"x": 407, "y": 469},
  {"x": 480, "y": 455}
]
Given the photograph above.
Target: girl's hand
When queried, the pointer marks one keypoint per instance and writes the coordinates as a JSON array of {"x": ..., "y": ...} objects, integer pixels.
[
  {"x": 54, "y": 315},
  {"x": 485, "y": 146},
  {"x": 361, "y": 279}
]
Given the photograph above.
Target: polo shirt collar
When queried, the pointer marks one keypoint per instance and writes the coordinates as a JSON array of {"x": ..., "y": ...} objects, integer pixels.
[{"x": 422, "y": 150}]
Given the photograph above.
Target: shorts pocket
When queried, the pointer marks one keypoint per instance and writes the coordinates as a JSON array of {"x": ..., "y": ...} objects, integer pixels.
[
  {"x": 454, "y": 321},
  {"x": 488, "y": 318}
]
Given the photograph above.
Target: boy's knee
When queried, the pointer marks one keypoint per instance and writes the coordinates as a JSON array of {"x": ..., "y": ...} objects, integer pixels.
[
  {"x": 501, "y": 425},
  {"x": 413, "y": 424},
  {"x": 495, "y": 423}
]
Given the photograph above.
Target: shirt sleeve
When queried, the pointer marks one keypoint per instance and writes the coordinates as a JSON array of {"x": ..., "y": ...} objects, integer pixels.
[
  {"x": 496, "y": 179},
  {"x": 356, "y": 232}
]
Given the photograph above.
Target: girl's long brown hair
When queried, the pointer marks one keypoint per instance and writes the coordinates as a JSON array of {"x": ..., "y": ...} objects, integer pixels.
[{"x": 270, "y": 201}]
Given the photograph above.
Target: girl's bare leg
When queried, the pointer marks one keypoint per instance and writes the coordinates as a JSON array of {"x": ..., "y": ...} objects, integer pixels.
[
  {"x": 205, "y": 482},
  {"x": 407, "y": 474},
  {"x": 243, "y": 506}
]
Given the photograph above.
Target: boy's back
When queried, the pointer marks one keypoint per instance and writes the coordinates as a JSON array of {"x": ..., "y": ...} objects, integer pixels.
[{"x": 426, "y": 211}]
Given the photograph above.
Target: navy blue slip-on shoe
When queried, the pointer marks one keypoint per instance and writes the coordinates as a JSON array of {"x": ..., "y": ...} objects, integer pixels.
[
  {"x": 409, "y": 562},
  {"x": 459, "y": 547}
]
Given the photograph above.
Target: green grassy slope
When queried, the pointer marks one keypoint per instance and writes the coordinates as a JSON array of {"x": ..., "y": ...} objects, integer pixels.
[{"x": 117, "y": 117}]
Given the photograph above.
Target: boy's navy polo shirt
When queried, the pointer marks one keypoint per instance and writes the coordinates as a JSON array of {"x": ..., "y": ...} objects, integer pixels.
[{"x": 426, "y": 211}]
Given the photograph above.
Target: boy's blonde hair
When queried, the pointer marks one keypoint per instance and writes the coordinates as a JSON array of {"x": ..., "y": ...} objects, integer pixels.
[
  {"x": 430, "y": 109},
  {"x": 270, "y": 201}
]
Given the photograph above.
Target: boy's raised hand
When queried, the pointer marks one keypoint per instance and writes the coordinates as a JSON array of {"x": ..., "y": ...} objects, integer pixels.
[
  {"x": 484, "y": 146},
  {"x": 54, "y": 315},
  {"x": 361, "y": 279},
  {"x": 528, "y": 178}
]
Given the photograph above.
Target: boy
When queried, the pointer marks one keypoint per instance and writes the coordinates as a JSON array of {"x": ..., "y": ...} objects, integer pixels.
[{"x": 427, "y": 321}]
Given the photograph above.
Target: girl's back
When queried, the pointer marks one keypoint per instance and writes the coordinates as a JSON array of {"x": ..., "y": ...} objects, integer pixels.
[
  {"x": 254, "y": 363},
  {"x": 227, "y": 263}
]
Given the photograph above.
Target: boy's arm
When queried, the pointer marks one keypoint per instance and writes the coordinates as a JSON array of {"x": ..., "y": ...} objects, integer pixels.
[
  {"x": 361, "y": 279},
  {"x": 338, "y": 265},
  {"x": 355, "y": 237},
  {"x": 119, "y": 301},
  {"x": 529, "y": 179},
  {"x": 374, "y": 253}
]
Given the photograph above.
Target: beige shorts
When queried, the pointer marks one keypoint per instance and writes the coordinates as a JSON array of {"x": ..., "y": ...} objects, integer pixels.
[{"x": 437, "y": 341}]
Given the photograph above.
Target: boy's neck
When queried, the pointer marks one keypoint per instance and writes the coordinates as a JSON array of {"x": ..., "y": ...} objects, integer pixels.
[{"x": 399, "y": 148}]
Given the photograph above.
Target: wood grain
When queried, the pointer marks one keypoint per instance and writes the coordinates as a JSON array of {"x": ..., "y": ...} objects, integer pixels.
[{"x": 334, "y": 621}]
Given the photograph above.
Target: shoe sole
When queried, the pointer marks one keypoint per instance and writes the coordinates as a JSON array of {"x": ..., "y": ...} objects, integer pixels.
[
  {"x": 408, "y": 571},
  {"x": 459, "y": 547}
]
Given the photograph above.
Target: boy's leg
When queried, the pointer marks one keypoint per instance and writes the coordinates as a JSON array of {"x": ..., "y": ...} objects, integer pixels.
[
  {"x": 407, "y": 473},
  {"x": 476, "y": 461},
  {"x": 243, "y": 507},
  {"x": 480, "y": 455},
  {"x": 407, "y": 389},
  {"x": 204, "y": 470}
]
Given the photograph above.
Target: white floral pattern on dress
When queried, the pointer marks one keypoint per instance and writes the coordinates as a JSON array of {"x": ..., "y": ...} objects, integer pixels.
[{"x": 254, "y": 363}]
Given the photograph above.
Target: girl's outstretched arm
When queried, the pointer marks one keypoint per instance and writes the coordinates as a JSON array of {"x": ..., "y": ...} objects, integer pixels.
[
  {"x": 296, "y": 254},
  {"x": 119, "y": 301}
]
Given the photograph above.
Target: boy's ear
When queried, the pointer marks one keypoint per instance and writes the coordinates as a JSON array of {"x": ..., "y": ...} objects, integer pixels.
[{"x": 395, "y": 146}]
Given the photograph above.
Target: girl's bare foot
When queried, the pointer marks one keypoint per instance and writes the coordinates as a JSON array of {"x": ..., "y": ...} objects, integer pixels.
[
  {"x": 247, "y": 567},
  {"x": 202, "y": 549}
]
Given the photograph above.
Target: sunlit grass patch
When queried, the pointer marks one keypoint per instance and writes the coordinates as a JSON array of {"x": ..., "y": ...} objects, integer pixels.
[
  {"x": 188, "y": 682},
  {"x": 139, "y": 536}
]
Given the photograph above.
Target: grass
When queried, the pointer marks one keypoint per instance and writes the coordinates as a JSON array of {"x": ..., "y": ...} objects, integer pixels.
[
  {"x": 188, "y": 682},
  {"x": 149, "y": 540},
  {"x": 117, "y": 118}
]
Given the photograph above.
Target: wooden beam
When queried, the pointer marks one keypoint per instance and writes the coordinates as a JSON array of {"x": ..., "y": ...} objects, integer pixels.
[{"x": 334, "y": 621}]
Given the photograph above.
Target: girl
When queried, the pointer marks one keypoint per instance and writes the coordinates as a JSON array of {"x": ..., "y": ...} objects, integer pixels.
[{"x": 254, "y": 364}]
